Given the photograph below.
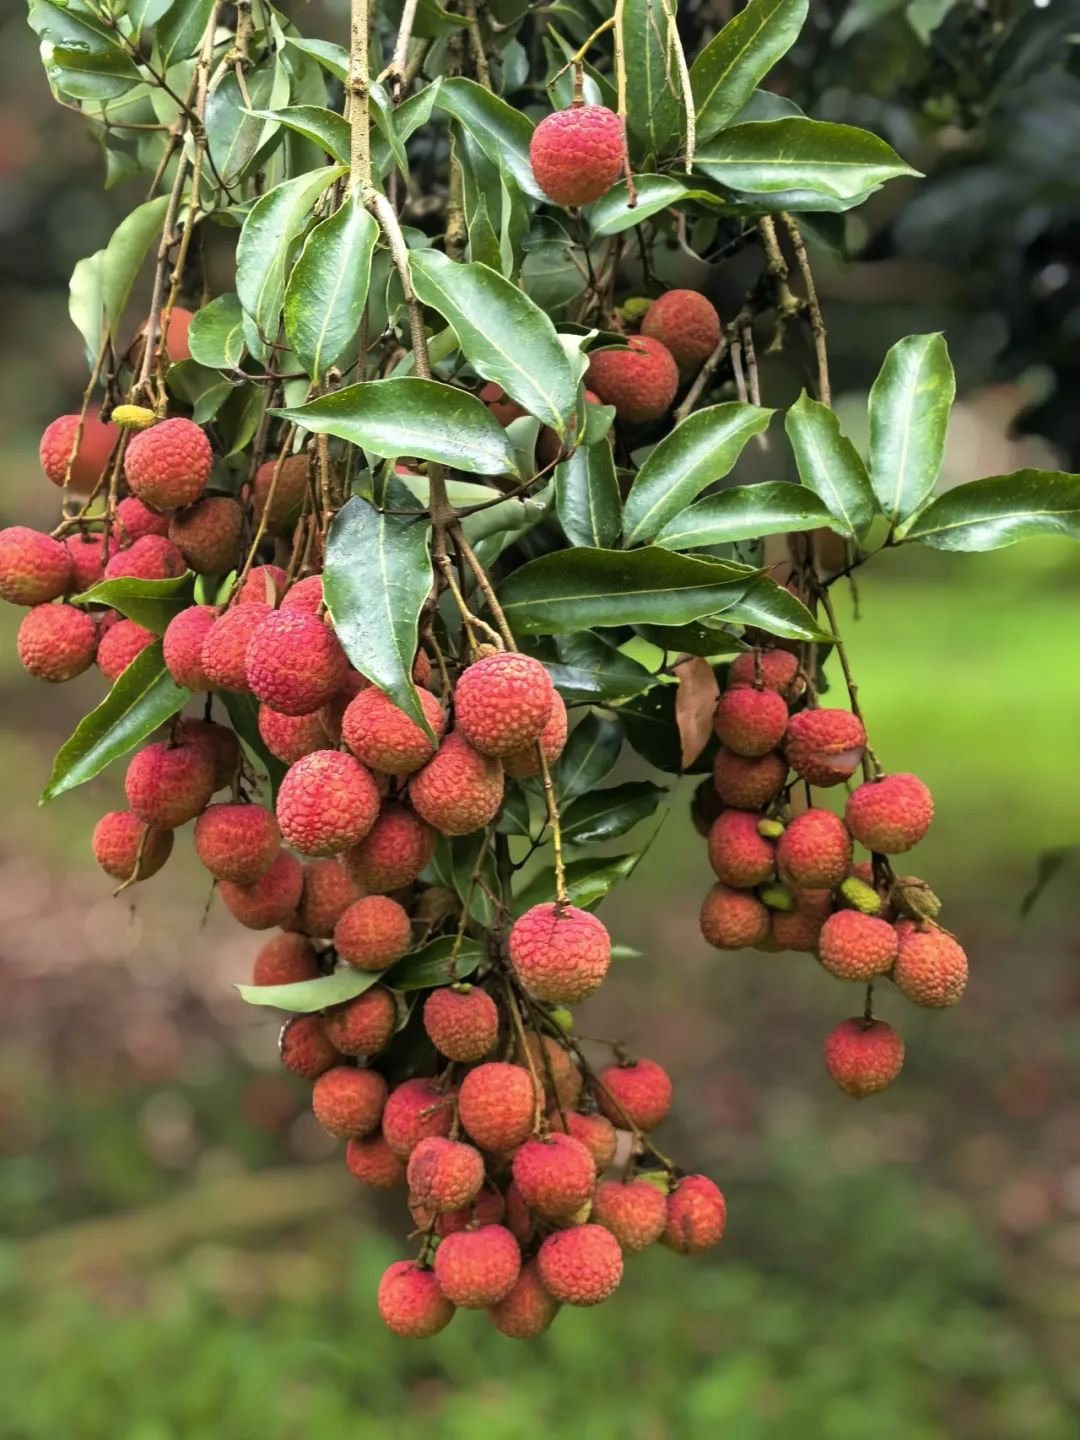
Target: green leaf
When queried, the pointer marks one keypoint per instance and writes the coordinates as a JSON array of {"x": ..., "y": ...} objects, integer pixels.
[
  {"x": 909, "y": 415},
  {"x": 430, "y": 966},
  {"x": 585, "y": 667},
  {"x": 830, "y": 466},
  {"x": 307, "y": 997},
  {"x": 81, "y": 58},
  {"x": 180, "y": 30},
  {"x": 236, "y": 128},
  {"x": 144, "y": 697},
  {"x": 333, "y": 58},
  {"x": 772, "y": 607},
  {"x": 607, "y": 814},
  {"x": 590, "y": 753},
  {"x": 744, "y": 513},
  {"x": 581, "y": 588},
  {"x": 1000, "y": 510},
  {"x": 400, "y": 123},
  {"x": 408, "y": 416},
  {"x": 328, "y": 129},
  {"x": 150, "y": 603},
  {"x": 587, "y": 498},
  {"x": 587, "y": 882},
  {"x": 377, "y": 577},
  {"x": 655, "y": 115},
  {"x": 702, "y": 448},
  {"x": 243, "y": 712},
  {"x": 101, "y": 284},
  {"x": 700, "y": 637},
  {"x": 614, "y": 213},
  {"x": 502, "y": 132},
  {"x": 216, "y": 336},
  {"x": 839, "y": 164},
  {"x": 505, "y": 337},
  {"x": 726, "y": 72},
  {"x": 328, "y": 288}
]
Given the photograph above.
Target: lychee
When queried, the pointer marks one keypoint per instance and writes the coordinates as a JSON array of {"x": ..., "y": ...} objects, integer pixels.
[
  {"x": 328, "y": 892},
  {"x": 305, "y": 1048},
  {"x": 89, "y": 556},
  {"x": 168, "y": 785},
  {"x": 733, "y": 919},
  {"x": 635, "y": 1211},
  {"x": 863, "y": 1056},
  {"x": 373, "y": 933},
  {"x": 477, "y": 1268},
  {"x": 414, "y": 1110},
  {"x": 237, "y": 842},
  {"x": 119, "y": 645},
  {"x": 348, "y": 1102},
  {"x": 326, "y": 802},
  {"x": 528, "y": 1310},
  {"x": 56, "y": 642},
  {"x": 333, "y": 712},
  {"x": 34, "y": 568},
  {"x": 444, "y": 1174},
  {"x": 505, "y": 410},
  {"x": 383, "y": 737},
  {"x": 497, "y": 1105},
  {"x": 799, "y": 929},
  {"x": 748, "y": 782},
  {"x": 891, "y": 815},
  {"x": 219, "y": 742},
  {"x": 502, "y": 702},
  {"x": 486, "y": 1208},
  {"x": 563, "y": 1082},
  {"x": 639, "y": 381},
  {"x": 289, "y": 491},
  {"x": 577, "y": 154},
  {"x": 151, "y": 558},
  {"x": 814, "y": 851},
  {"x": 294, "y": 662},
  {"x": 560, "y": 953},
  {"x": 120, "y": 836},
  {"x": 826, "y": 747},
  {"x": 639, "y": 1093},
  {"x": 696, "y": 1215},
  {"x": 595, "y": 1132},
  {"x": 775, "y": 669},
  {"x": 207, "y": 534},
  {"x": 458, "y": 790},
  {"x": 168, "y": 465},
  {"x": 182, "y": 646},
  {"x": 580, "y": 1266},
  {"x": 687, "y": 323},
  {"x": 931, "y": 969},
  {"x": 306, "y": 595},
  {"x": 271, "y": 900},
  {"x": 373, "y": 1163},
  {"x": 393, "y": 852},
  {"x": 739, "y": 855},
  {"x": 854, "y": 946},
  {"x": 555, "y": 1175},
  {"x": 265, "y": 585},
  {"x": 290, "y": 737},
  {"x": 524, "y": 763},
  {"x": 285, "y": 960},
  {"x": 134, "y": 520},
  {"x": 462, "y": 1022},
  {"x": 95, "y": 446},
  {"x": 363, "y": 1026},
  {"x": 520, "y": 1220},
  {"x": 411, "y": 1303},
  {"x": 750, "y": 722}
]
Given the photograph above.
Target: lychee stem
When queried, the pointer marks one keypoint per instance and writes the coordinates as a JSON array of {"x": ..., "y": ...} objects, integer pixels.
[{"x": 358, "y": 89}]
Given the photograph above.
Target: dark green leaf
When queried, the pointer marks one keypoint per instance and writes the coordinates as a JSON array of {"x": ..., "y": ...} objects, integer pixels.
[
  {"x": 236, "y": 128},
  {"x": 328, "y": 129},
  {"x": 830, "y": 466},
  {"x": 306, "y": 997},
  {"x": 179, "y": 32},
  {"x": 1000, "y": 510},
  {"x": 586, "y": 667},
  {"x": 655, "y": 115},
  {"x": 502, "y": 132},
  {"x": 101, "y": 284},
  {"x": 700, "y": 637},
  {"x": 653, "y": 731},
  {"x": 771, "y": 607},
  {"x": 613, "y": 212},
  {"x": 725, "y": 73},
  {"x": 333, "y": 58},
  {"x": 515, "y": 817},
  {"x": 909, "y": 415},
  {"x": 743, "y": 513},
  {"x": 430, "y": 965},
  {"x": 216, "y": 336},
  {"x": 328, "y": 288},
  {"x": 590, "y": 753},
  {"x": 607, "y": 814},
  {"x": 587, "y": 497},
  {"x": 150, "y": 603},
  {"x": 406, "y": 118},
  {"x": 243, "y": 712},
  {"x": 587, "y": 882},
  {"x": 84, "y": 60}
]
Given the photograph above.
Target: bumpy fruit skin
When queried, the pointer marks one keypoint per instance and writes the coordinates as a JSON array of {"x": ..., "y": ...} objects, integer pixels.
[
  {"x": 458, "y": 790},
  {"x": 288, "y": 492},
  {"x": 560, "y": 953},
  {"x": 737, "y": 853},
  {"x": 596, "y": 1133},
  {"x": 696, "y": 1215},
  {"x": 207, "y": 534},
  {"x": 383, "y": 737},
  {"x": 373, "y": 933},
  {"x": 580, "y": 1266},
  {"x": 225, "y": 646},
  {"x": 825, "y": 746},
  {"x": 733, "y": 919},
  {"x": 503, "y": 702},
  {"x": 119, "y": 645},
  {"x": 555, "y": 1175},
  {"x": 56, "y": 642},
  {"x": 326, "y": 802},
  {"x": 220, "y": 743},
  {"x": 182, "y": 646},
  {"x": 411, "y": 1303},
  {"x": 374, "y": 1164},
  {"x": 750, "y": 722},
  {"x": 34, "y": 568},
  {"x": 863, "y": 1056},
  {"x": 635, "y": 1212},
  {"x": 290, "y": 737},
  {"x": 294, "y": 663},
  {"x": 528, "y": 1310},
  {"x": 414, "y": 1110},
  {"x": 393, "y": 852},
  {"x": 854, "y": 946},
  {"x": 168, "y": 465},
  {"x": 499, "y": 403},
  {"x": 578, "y": 154},
  {"x": 168, "y": 785},
  {"x": 748, "y": 782},
  {"x": 328, "y": 892},
  {"x": 306, "y": 595},
  {"x": 347, "y": 1102},
  {"x": 444, "y": 1174},
  {"x": 800, "y": 929},
  {"x": 363, "y": 1026},
  {"x": 271, "y": 900},
  {"x": 462, "y": 1022},
  {"x": 931, "y": 969},
  {"x": 134, "y": 520},
  {"x": 640, "y": 1092},
  {"x": 687, "y": 323},
  {"x": 153, "y": 557},
  {"x": 639, "y": 381},
  {"x": 95, "y": 447},
  {"x": 265, "y": 585},
  {"x": 814, "y": 851},
  {"x": 285, "y": 960},
  {"x": 305, "y": 1048},
  {"x": 478, "y": 1268},
  {"x": 496, "y": 1105},
  {"x": 117, "y": 838},
  {"x": 524, "y": 763},
  {"x": 563, "y": 1082},
  {"x": 237, "y": 842},
  {"x": 891, "y": 815},
  {"x": 778, "y": 669},
  {"x": 89, "y": 556}
]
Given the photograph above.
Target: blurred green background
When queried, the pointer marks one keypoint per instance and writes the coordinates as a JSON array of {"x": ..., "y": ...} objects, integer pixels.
[{"x": 184, "y": 1253}]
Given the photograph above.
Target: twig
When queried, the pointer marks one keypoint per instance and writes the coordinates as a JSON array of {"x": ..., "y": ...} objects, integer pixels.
[{"x": 817, "y": 321}]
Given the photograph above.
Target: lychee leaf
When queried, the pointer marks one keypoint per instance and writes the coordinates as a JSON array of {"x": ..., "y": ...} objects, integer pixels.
[
  {"x": 502, "y": 132},
  {"x": 430, "y": 965},
  {"x": 830, "y": 466},
  {"x": 910, "y": 403},
  {"x": 216, "y": 336},
  {"x": 1000, "y": 510},
  {"x": 590, "y": 754},
  {"x": 305, "y": 997},
  {"x": 587, "y": 881},
  {"x": 607, "y": 814},
  {"x": 587, "y": 499},
  {"x": 655, "y": 113},
  {"x": 725, "y": 73},
  {"x": 653, "y": 193},
  {"x": 328, "y": 287},
  {"x": 243, "y": 711},
  {"x": 328, "y": 129},
  {"x": 743, "y": 513},
  {"x": 769, "y": 606},
  {"x": 150, "y": 603}
]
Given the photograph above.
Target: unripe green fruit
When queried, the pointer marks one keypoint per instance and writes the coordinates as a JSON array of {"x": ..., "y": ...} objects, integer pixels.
[{"x": 860, "y": 896}]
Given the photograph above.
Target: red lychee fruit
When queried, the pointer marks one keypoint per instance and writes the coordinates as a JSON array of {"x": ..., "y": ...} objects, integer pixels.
[
  {"x": 285, "y": 960},
  {"x": 863, "y": 1056},
  {"x": 814, "y": 851},
  {"x": 182, "y": 646},
  {"x": 738, "y": 854},
  {"x": 294, "y": 663},
  {"x": 237, "y": 842},
  {"x": 304, "y": 1047},
  {"x": 635, "y": 1212},
  {"x": 800, "y": 929},
  {"x": 687, "y": 323},
  {"x": 95, "y": 446},
  {"x": 639, "y": 381},
  {"x": 374, "y": 1164},
  {"x": 639, "y": 1093},
  {"x": 34, "y": 568},
  {"x": 458, "y": 790},
  {"x": 577, "y": 154},
  {"x": 931, "y": 969},
  {"x": 265, "y": 585},
  {"x": 555, "y": 1175},
  {"x": 580, "y": 1266},
  {"x": 134, "y": 520},
  {"x": 478, "y": 1268},
  {"x": 524, "y": 763},
  {"x": 748, "y": 782},
  {"x": 560, "y": 953},
  {"x": 775, "y": 669},
  {"x": 118, "y": 840},
  {"x": 497, "y": 1105},
  {"x": 488, "y": 1208},
  {"x": 225, "y": 646},
  {"x": 306, "y": 595},
  {"x": 462, "y": 1022},
  {"x": 595, "y": 1132},
  {"x": 89, "y": 556},
  {"x": 363, "y": 1026},
  {"x": 750, "y": 722},
  {"x": 56, "y": 642},
  {"x": 499, "y": 403},
  {"x": 383, "y": 737},
  {"x": 411, "y": 1303},
  {"x": 168, "y": 785},
  {"x": 696, "y": 1215},
  {"x": 520, "y": 1220},
  {"x": 333, "y": 712},
  {"x": 503, "y": 702},
  {"x": 151, "y": 558},
  {"x": 733, "y": 919},
  {"x": 559, "y": 1075},
  {"x": 219, "y": 742},
  {"x": 825, "y": 746},
  {"x": 207, "y": 534},
  {"x": 168, "y": 465},
  {"x": 373, "y": 933},
  {"x": 271, "y": 900},
  {"x": 891, "y": 815},
  {"x": 528, "y": 1310},
  {"x": 328, "y": 892},
  {"x": 853, "y": 946},
  {"x": 292, "y": 483},
  {"x": 414, "y": 1110},
  {"x": 348, "y": 1102},
  {"x": 290, "y": 737},
  {"x": 445, "y": 1174},
  {"x": 326, "y": 802},
  {"x": 394, "y": 851},
  {"x": 119, "y": 645}
]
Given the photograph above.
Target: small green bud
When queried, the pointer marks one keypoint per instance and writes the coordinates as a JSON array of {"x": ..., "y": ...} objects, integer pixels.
[
  {"x": 634, "y": 309},
  {"x": 860, "y": 896},
  {"x": 563, "y": 1018},
  {"x": 660, "y": 1178},
  {"x": 133, "y": 417},
  {"x": 776, "y": 897},
  {"x": 770, "y": 829},
  {"x": 913, "y": 897}
]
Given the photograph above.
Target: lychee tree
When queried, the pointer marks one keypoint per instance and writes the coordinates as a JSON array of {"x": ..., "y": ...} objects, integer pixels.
[{"x": 422, "y": 479}]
